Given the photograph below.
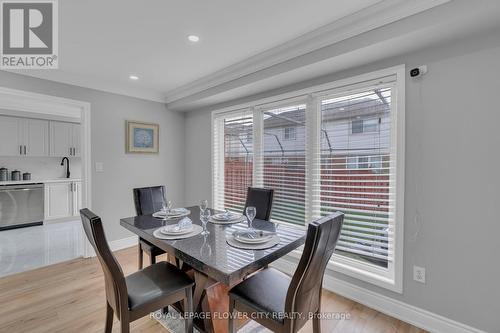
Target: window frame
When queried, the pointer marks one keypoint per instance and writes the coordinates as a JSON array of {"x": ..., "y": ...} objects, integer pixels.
[
  {"x": 390, "y": 278},
  {"x": 290, "y": 137}
]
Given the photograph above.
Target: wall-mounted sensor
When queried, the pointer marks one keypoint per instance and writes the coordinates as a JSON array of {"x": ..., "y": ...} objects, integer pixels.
[{"x": 419, "y": 71}]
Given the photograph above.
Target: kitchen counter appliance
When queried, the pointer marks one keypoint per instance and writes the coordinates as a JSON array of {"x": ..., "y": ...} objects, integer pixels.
[{"x": 21, "y": 205}]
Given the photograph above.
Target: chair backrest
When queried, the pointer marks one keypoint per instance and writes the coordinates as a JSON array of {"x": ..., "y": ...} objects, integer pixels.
[
  {"x": 262, "y": 199},
  {"x": 304, "y": 293},
  {"x": 149, "y": 200},
  {"x": 116, "y": 288}
]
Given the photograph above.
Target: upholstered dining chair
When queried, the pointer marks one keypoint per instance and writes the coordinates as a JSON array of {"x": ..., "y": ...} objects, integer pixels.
[
  {"x": 134, "y": 296},
  {"x": 148, "y": 200},
  {"x": 274, "y": 299},
  {"x": 262, "y": 200}
]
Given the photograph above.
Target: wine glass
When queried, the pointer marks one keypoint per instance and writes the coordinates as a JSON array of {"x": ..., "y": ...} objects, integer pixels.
[
  {"x": 204, "y": 217},
  {"x": 251, "y": 212},
  {"x": 206, "y": 249},
  {"x": 203, "y": 205},
  {"x": 169, "y": 207}
]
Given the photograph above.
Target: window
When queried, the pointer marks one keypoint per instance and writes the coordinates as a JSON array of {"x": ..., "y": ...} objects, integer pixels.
[
  {"x": 374, "y": 163},
  {"x": 362, "y": 189},
  {"x": 284, "y": 165},
  {"x": 233, "y": 169},
  {"x": 289, "y": 133},
  {"x": 359, "y": 126},
  {"x": 304, "y": 149}
]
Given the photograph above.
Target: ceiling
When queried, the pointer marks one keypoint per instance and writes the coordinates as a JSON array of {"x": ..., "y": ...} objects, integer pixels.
[
  {"x": 103, "y": 42},
  {"x": 245, "y": 47}
]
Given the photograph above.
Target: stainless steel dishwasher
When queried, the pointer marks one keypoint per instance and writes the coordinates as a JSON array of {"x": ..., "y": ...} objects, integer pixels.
[{"x": 21, "y": 205}]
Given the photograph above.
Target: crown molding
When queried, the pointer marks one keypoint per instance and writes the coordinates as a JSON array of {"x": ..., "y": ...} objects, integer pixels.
[{"x": 375, "y": 16}]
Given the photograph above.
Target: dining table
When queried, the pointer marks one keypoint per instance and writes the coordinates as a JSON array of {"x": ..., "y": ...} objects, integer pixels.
[{"x": 215, "y": 265}]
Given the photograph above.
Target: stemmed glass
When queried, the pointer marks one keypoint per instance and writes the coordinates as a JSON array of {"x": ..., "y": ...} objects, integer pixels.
[
  {"x": 204, "y": 217},
  {"x": 206, "y": 249},
  {"x": 203, "y": 205},
  {"x": 251, "y": 212}
]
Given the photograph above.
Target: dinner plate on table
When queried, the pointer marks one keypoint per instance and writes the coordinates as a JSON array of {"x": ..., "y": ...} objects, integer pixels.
[
  {"x": 253, "y": 237},
  {"x": 175, "y": 229},
  {"x": 227, "y": 216},
  {"x": 173, "y": 213}
]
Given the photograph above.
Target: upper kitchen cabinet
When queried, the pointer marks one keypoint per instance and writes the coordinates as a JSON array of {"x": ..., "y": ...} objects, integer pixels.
[
  {"x": 23, "y": 137},
  {"x": 64, "y": 139},
  {"x": 36, "y": 137},
  {"x": 10, "y": 136}
]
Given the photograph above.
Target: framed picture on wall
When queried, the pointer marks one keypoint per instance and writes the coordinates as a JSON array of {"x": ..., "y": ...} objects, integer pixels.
[{"x": 142, "y": 137}]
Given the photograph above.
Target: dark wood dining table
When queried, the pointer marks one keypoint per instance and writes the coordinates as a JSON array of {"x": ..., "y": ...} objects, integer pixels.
[{"x": 215, "y": 265}]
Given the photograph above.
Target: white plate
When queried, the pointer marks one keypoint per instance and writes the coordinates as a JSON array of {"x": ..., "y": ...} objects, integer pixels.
[
  {"x": 243, "y": 237},
  {"x": 174, "y": 213},
  {"x": 171, "y": 230},
  {"x": 225, "y": 217}
]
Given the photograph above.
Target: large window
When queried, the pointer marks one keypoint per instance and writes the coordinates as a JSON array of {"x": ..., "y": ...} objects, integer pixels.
[
  {"x": 355, "y": 171},
  {"x": 233, "y": 167},
  {"x": 334, "y": 149},
  {"x": 284, "y": 165}
]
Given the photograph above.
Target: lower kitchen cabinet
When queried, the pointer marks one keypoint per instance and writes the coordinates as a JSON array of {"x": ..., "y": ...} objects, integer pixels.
[{"x": 62, "y": 199}]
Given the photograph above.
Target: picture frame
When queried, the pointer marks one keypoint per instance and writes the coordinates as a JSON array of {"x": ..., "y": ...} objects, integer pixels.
[{"x": 141, "y": 137}]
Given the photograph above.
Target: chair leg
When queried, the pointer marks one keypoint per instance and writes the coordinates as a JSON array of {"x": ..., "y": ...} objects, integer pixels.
[
  {"x": 188, "y": 310},
  {"x": 109, "y": 319},
  {"x": 231, "y": 326},
  {"x": 139, "y": 256},
  {"x": 125, "y": 326},
  {"x": 317, "y": 322}
]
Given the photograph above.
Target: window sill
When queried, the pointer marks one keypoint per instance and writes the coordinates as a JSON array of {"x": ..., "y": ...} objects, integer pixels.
[{"x": 363, "y": 272}]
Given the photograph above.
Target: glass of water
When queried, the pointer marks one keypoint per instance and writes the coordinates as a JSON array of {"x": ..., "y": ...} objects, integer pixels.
[
  {"x": 251, "y": 212},
  {"x": 204, "y": 217}
]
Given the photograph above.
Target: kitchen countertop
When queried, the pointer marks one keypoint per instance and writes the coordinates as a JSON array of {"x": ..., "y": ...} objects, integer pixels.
[{"x": 37, "y": 181}]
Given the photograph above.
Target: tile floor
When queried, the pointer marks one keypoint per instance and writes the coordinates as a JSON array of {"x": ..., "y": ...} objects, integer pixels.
[{"x": 32, "y": 247}]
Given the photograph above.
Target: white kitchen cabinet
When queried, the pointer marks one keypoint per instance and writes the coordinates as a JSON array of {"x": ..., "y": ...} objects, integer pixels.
[
  {"x": 77, "y": 198},
  {"x": 10, "y": 136},
  {"x": 64, "y": 139},
  {"x": 23, "y": 137},
  {"x": 76, "y": 139},
  {"x": 36, "y": 137},
  {"x": 63, "y": 199},
  {"x": 58, "y": 200}
]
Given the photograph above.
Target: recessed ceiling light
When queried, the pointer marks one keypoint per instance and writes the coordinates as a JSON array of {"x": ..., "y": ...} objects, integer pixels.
[
  {"x": 133, "y": 77},
  {"x": 193, "y": 38}
]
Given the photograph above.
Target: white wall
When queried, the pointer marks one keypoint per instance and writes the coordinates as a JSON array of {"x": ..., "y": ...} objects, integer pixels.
[
  {"x": 112, "y": 189},
  {"x": 451, "y": 199}
]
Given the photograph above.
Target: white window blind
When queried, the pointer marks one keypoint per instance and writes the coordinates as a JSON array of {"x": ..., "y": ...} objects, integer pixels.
[
  {"x": 233, "y": 159},
  {"x": 283, "y": 161},
  {"x": 357, "y": 171},
  {"x": 337, "y": 148}
]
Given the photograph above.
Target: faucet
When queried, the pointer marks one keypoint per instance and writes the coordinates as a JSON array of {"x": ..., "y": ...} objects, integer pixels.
[{"x": 67, "y": 165}]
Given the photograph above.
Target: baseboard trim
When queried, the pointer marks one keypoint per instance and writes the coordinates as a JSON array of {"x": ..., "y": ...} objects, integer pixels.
[
  {"x": 115, "y": 245},
  {"x": 408, "y": 313},
  {"x": 123, "y": 243}
]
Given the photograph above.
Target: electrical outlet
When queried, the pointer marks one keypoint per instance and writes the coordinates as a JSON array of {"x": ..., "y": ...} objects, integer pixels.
[
  {"x": 419, "y": 274},
  {"x": 99, "y": 167}
]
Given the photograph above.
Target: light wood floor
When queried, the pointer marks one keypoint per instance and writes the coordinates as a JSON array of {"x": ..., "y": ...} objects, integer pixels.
[{"x": 69, "y": 297}]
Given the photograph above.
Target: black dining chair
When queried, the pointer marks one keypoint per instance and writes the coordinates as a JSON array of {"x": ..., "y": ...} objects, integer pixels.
[
  {"x": 262, "y": 200},
  {"x": 134, "y": 296},
  {"x": 273, "y": 298},
  {"x": 148, "y": 200}
]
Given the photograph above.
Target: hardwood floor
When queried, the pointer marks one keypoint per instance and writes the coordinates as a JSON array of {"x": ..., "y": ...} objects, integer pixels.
[{"x": 69, "y": 297}]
